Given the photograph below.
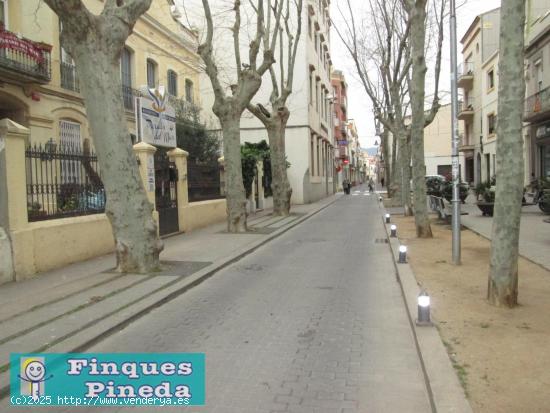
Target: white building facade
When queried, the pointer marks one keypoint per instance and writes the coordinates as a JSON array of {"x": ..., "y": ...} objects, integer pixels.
[{"x": 309, "y": 135}]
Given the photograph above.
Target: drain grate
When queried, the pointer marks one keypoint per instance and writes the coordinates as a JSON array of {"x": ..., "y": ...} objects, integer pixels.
[{"x": 381, "y": 241}]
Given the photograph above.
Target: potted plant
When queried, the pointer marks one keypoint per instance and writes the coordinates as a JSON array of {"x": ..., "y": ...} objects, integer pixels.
[
  {"x": 447, "y": 191},
  {"x": 486, "y": 197}
]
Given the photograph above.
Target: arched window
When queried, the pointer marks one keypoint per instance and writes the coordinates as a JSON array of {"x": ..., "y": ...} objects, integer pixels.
[
  {"x": 189, "y": 91},
  {"x": 151, "y": 74},
  {"x": 172, "y": 83}
]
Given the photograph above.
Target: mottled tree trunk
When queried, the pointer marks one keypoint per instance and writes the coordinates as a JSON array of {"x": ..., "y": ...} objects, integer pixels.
[
  {"x": 282, "y": 191},
  {"x": 387, "y": 164},
  {"x": 235, "y": 193},
  {"x": 417, "y": 91},
  {"x": 393, "y": 158},
  {"x": 402, "y": 173},
  {"x": 95, "y": 42},
  {"x": 503, "y": 273},
  {"x": 128, "y": 209}
]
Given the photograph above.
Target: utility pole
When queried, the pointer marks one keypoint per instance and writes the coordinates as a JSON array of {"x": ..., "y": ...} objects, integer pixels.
[{"x": 455, "y": 159}]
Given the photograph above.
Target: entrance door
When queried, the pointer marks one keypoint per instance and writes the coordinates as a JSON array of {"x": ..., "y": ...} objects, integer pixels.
[
  {"x": 488, "y": 167},
  {"x": 166, "y": 195},
  {"x": 478, "y": 169},
  {"x": 470, "y": 170}
]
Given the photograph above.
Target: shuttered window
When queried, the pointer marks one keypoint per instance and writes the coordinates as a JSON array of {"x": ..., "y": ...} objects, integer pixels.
[
  {"x": 151, "y": 74},
  {"x": 172, "y": 83}
]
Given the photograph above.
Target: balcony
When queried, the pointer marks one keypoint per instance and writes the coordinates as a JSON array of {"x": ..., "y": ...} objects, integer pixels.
[
  {"x": 537, "y": 106},
  {"x": 181, "y": 106},
  {"x": 69, "y": 78},
  {"x": 466, "y": 109},
  {"x": 465, "y": 73},
  {"x": 23, "y": 60},
  {"x": 464, "y": 144}
]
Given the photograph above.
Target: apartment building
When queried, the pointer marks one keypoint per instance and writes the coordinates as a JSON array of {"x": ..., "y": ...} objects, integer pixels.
[
  {"x": 340, "y": 107},
  {"x": 40, "y": 84},
  {"x": 478, "y": 79},
  {"x": 354, "y": 151},
  {"x": 438, "y": 145},
  {"x": 537, "y": 102},
  {"x": 309, "y": 137}
]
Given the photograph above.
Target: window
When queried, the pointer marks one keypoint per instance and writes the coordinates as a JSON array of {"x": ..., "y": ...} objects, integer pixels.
[
  {"x": 4, "y": 14},
  {"x": 316, "y": 42},
  {"x": 151, "y": 74},
  {"x": 172, "y": 83},
  {"x": 492, "y": 124},
  {"x": 309, "y": 25},
  {"x": 126, "y": 67},
  {"x": 312, "y": 155},
  {"x": 70, "y": 141},
  {"x": 318, "y": 147},
  {"x": 311, "y": 87},
  {"x": 189, "y": 91},
  {"x": 491, "y": 80},
  {"x": 317, "y": 95},
  {"x": 69, "y": 78},
  {"x": 537, "y": 75},
  {"x": 126, "y": 78}
]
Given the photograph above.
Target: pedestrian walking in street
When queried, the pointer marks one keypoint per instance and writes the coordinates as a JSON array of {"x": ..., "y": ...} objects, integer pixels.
[{"x": 382, "y": 181}]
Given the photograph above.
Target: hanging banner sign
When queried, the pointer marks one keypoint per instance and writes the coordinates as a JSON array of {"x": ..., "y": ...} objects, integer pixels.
[
  {"x": 9, "y": 40},
  {"x": 156, "y": 119}
]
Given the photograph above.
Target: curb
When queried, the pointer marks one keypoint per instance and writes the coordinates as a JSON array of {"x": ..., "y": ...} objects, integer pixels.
[
  {"x": 444, "y": 390},
  {"x": 105, "y": 327},
  {"x": 521, "y": 255}
]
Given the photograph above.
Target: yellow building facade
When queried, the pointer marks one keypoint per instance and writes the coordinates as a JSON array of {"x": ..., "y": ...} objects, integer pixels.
[
  {"x": 51, "y": 200},
  {"x": 39, "y": 85}
]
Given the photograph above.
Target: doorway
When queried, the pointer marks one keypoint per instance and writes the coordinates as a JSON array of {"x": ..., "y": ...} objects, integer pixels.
[{"x": 166, "y": 193}]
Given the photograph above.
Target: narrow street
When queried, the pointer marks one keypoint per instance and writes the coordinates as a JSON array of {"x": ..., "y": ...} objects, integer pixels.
[{"x": 314, "y": 321}]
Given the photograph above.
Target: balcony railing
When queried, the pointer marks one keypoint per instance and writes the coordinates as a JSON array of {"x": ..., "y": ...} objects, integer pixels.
[
  {"x": 537, "y": 105},
  {"x": 69, "y": 77},
  {"x": 466, "y": 108},
  {"x": 23, "y": 59},
  {"x": 465, "y": 69},
  {"x": 181, "y": 106},
  {"x": 465, "y": 74},
  {"x": 128, "y": 95}
]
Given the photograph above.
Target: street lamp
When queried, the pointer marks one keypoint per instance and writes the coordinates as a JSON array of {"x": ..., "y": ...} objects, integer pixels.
[
  {"x": 423, "y": 309},
  {"x": 393, "y": 231},
  {"x": 402, "y": 254},
  {"x": 387, "y": 216}
]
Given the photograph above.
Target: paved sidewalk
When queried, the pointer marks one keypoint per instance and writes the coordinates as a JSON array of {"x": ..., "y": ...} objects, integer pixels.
[
  {"x": 71, "y": 308},
  {"x": 534, "y": 242}
]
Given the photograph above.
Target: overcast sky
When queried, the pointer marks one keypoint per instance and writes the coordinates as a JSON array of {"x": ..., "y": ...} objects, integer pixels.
[{"x": 358, "y": 102}]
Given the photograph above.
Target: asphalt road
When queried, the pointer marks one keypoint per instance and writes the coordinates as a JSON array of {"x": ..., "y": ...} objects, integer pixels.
[{"x": 312, "y": 322}]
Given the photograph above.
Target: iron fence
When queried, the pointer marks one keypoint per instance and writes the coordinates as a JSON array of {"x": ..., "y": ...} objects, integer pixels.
[
  {"x": 203, "y": 181},
  {"x": 62, "y": 181}
]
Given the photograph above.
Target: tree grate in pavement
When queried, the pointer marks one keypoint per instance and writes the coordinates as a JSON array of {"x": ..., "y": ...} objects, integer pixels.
[
  {"x": 381, "y": 241},
  {"x": 175, "y": 268}
]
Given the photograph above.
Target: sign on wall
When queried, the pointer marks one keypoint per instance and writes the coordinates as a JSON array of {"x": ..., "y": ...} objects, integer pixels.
[{"x": 156, "y": 119}]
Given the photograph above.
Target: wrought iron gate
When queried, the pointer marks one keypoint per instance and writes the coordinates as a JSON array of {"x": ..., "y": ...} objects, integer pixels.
[{"x": 166, "y": 194}]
